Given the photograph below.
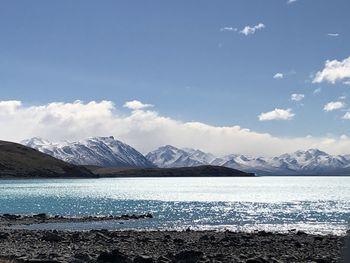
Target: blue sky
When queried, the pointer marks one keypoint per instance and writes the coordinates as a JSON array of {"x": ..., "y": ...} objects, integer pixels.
[{"x": 177, "y": 56}]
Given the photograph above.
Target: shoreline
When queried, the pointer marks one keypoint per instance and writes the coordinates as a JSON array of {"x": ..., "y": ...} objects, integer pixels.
[
  {"x": 5, "y": 178},
  {"x": 9, "y": 220},
  {"x": 167, "y": 246}
]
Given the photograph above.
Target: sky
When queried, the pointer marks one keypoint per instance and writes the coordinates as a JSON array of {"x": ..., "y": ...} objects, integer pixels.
[{"x": 245, "y": 76}]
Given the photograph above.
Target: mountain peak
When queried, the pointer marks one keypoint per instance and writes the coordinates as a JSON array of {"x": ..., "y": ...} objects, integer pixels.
[
  {"x": 169, "y": 156},
  {"x": 100, "y": 151},
  {"x": 35, "y": 141},
  {"x": 312, "y": 152},
  {"x": 310, "y": 161}
]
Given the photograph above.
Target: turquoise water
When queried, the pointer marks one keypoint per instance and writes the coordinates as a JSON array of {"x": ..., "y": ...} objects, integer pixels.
[{"x": 312, "y": 204}]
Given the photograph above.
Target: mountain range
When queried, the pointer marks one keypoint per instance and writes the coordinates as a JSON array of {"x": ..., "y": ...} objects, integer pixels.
[
  {"x": 109, "y": 152},
  {"x": 99, "y": 151},
  {"x": 309, "y": 162}
]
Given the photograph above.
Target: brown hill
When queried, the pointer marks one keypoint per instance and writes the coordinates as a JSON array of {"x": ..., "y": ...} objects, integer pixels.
[
  {"x": 199, "y": 171},
  {"x": 18, "y": 161}
]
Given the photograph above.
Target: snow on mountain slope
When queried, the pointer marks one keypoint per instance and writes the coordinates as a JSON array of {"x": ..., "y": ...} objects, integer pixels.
[
  {"x": 101, "y": 151},
  {"x": 312, "y": 161},
  {"x": 170, "y": 156},
  {"x": 106, "y": 151}
]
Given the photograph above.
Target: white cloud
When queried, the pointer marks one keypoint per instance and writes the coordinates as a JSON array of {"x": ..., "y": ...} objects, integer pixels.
[
  {"x": 136, "y": 105},
  {"x": 278, "y": 76},
  {"x": 248, "y": 30},
  {"x": 277, "y": 114},
  {"x": 334, "y": 71},
  {"x": 346, "y": 116},
  {"x": 297, "y": 97},
  {"x": 228, "y": 28},
  {"x": 9, "y": 106},
  {"x": 346, "y": 82},
  {"x": 318, "y": 90},
  {"x": 146, "y": 130},
  {"x": 334, "y": 105},
  {"x": 291, "y": 1},
  {"x": 333, "y": 34}
]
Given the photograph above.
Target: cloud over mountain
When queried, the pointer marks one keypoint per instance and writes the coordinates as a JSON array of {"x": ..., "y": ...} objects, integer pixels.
[{"x": 146, "y": 129}]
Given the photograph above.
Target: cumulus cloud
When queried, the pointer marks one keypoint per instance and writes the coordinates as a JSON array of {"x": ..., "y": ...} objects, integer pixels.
[
  {"x": 249, "y": 30},
  {"x": 146, "y": 129},
  {"x": 334, "y": 105},
  {"x": 297, "y": 97},
  {"x": 346, "y": 116},
  {"x": 278, "y": 76},
  {"x": 277, "y": 114},
  {"x": 228, "y": 28},
  {"x": 9, "y": 106},
  {"x": 334, "y": 71},
  {"x": 136, "y": 105}
]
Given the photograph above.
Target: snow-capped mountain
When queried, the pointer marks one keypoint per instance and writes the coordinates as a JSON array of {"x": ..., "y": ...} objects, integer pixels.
[
  {"x": 108, "y": 152},
  {"x": 100, "y": 151},
  {"x": 170, "y": 156},
  {"x": 312, "y": 161}
]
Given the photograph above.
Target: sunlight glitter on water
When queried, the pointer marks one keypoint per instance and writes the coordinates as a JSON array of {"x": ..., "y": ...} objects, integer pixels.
[{"x": 278, "y": 203}]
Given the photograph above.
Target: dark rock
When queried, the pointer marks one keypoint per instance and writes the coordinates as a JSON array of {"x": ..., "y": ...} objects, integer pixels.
[
  {"x": 179, "y": 241},
  {"x": 4, "y": 235},
  {"x": 42, "y": 261},
  {"x": 298, "y": 244},
  {"x": 264, "y": 233},
  {"x": 204, "y": 238},
  {"x": 319, "y": 238},
  {"x": 143, "y": 259},
  {"x": 163, "y": 259},
  {"x": 257, "y": 260},
  {"x": 113, "y": 257},
  {"x": 51, "y": 237},
  {"x": 301, "y": 233},
  {"x": 83, "y": 257},
  {"x": 225, "y": 239},
  {"x": 323, "y": 260},
  {"x": 149, "y": 215},
  {"x": 188, "y": 256},
  {"x": 75, "y": 236},
  {"x": 10, "y": 217},
  {"x": 100, "y": 235},
  {"x": 40, "y": 216}
]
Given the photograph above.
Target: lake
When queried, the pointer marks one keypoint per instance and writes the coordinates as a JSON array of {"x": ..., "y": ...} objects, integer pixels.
[{"x": 312, "y": 204}]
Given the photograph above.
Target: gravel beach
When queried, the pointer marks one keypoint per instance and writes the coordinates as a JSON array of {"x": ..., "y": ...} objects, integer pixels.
[{"x": 168, "y": 246}]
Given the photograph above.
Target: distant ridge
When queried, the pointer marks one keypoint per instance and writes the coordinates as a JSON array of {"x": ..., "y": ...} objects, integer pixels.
[
  {"x": 18, "y": 161},
  {"x": 198, "y": 171},
  {"x": 100, "y": 151},
  {"x": 309, "y": 162},
  {"x": 169, "y": 157},
  {"x": 109, "y": 152}
]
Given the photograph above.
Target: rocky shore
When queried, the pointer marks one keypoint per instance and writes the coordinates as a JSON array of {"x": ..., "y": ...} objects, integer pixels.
[
  {"x": 12, "y": 219},
  {"x": 167, "y": 246}
]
